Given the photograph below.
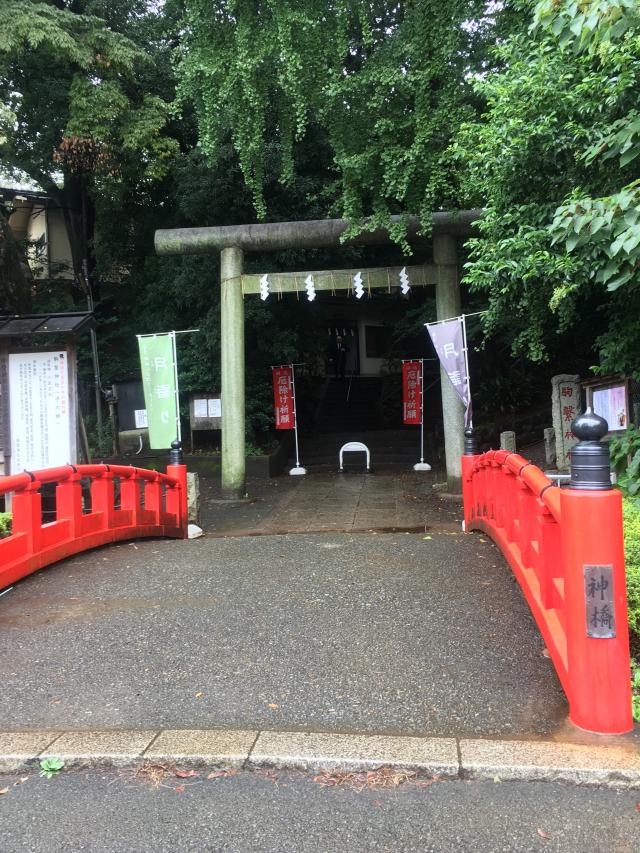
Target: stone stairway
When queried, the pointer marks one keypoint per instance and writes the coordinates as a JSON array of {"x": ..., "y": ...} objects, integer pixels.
[
  {"x": 350, "y": 403},
  {"x": 353, "y": 412},
  {"x": 388, "y": 447}
]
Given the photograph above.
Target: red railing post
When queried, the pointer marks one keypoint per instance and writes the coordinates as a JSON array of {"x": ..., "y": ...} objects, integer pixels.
[
  {"x": 153, "y": 499},
  {"x": 177, "y": 497},
  {"x": 26, "y": 515},
  {"x": 550, "y": 558},
  {"x": 131, "y": 496},
  {"x": 102, "y": 498},
  {"x": 595, "y": 587},
  {"x": 468, "y": 482},
  {"x": 69, "y": 502},
  {"x": 468, "y": 485}
]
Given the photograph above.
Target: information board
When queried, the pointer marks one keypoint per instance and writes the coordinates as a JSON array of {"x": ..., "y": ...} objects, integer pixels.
[
  {"x": 40, "y": 410},
  {"x": 205, "y": 412},
  {"x": 611, "y": 404},
  {"x": 140, "y": 416}
]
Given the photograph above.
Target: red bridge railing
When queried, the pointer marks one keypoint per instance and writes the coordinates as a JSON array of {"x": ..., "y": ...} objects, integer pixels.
[
  {"x": 565, "y": 547},
  {"x": 94, "y": 505}
]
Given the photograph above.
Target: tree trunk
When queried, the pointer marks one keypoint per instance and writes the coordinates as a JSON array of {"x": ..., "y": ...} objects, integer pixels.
[
  {"x": 16, "y": 280},
  {"x": 78, "y": 213}
]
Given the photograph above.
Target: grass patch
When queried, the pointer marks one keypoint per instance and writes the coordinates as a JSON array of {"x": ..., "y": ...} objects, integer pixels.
[{"x": 631, "y": 521}]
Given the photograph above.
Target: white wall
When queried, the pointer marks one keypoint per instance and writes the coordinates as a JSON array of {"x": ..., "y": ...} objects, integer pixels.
[{"x": 59, "y": 248}]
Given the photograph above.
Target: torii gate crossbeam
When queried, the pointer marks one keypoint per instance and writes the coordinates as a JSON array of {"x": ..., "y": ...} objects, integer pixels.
[{"x": 232, "y": 241}]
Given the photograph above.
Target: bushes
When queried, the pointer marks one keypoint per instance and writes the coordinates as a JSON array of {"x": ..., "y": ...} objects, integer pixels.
[
  {"x": 631, "y": 515},
  {"x": 625, "y": 458},
  {"x": 5, "y": 524},
  {"x": 631, "y": 519}
]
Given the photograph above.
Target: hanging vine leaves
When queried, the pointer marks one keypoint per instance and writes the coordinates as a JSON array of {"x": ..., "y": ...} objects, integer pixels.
[{"x": 385, "y": 81}]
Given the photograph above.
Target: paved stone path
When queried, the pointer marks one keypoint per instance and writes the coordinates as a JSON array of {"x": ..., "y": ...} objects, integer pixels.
[
  {"x": 361, "y": 632},
  {"x": 387, "y": 499}
]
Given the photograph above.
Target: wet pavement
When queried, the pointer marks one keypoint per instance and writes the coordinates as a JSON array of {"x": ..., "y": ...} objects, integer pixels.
[
  {"x": 405, "y": 632},
  {"x": 115, "y": 811},
  {"x": 387, "y": 499}
]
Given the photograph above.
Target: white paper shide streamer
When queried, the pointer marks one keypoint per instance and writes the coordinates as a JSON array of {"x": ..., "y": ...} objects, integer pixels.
[
  {"x": 264, "y": 287},
  {"x": 311, "y": 289},
  {"x": 357, "y": 285},
  {"x": 405, "y": 287}
]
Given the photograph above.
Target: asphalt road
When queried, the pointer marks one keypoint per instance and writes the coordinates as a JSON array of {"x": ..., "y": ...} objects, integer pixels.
[
  {"x": 393, "y": 633},
  {"x": 116, "y": 812}
]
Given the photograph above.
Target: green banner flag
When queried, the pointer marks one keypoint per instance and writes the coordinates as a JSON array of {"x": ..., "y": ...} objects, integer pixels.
[{"x": 159, "y": 383}]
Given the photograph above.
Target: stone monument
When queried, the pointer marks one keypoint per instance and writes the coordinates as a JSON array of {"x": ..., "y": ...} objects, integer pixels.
[
  {"x": 508, "y": 441},
  {"x": 566, "y": 403}
]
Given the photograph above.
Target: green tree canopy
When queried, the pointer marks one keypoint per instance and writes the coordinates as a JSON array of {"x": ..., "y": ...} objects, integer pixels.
[
  {"x": 84, "y": 104},
  {"x": 555, "y": 159}
]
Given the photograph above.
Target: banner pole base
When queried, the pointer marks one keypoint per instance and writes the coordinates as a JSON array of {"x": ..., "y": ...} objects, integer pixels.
[
  {"x": 422, "y": 466},
  {"x": 297, "y": 471}
]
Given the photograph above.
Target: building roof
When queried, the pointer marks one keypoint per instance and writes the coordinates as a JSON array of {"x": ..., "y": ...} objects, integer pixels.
[{"x": 67, "y": 323}]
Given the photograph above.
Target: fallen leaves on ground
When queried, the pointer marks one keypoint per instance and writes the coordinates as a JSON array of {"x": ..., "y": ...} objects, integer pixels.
[
  {"x": 4, "y": 791},
  {"x": 273, "y": 705},
  {"x": 222, "y": 774},
  {"x": 426, "y": 783},
  {"x": 185, "y": 774},
  {"x": 154, "y": 774},
  {"x": 542, "y": 833},
  {"x": 371, "y": 780},
  {"x": 271, "y": 775},
  {"x": 157, "y": 774}
]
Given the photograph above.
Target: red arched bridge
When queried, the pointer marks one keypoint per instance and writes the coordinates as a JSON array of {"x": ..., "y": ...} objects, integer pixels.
[
  {"x": 564, "y": 546},
  {"x": 94, "y": 505}
]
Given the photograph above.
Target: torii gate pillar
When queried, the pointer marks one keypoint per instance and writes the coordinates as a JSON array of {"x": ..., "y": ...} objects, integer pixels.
[
  {"x": 448, "y": 305},
  {"x": 232, "y": 373}
]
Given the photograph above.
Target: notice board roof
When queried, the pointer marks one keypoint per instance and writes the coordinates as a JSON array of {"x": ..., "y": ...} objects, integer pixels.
[{"x": 20, "y": 325}]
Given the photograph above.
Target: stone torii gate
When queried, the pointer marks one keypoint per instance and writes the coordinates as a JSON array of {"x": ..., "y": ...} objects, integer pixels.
[{"x": 234, "y": 240}]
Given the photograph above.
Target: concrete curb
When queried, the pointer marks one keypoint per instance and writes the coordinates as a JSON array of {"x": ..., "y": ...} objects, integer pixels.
[{"x": 499, "y": 760}]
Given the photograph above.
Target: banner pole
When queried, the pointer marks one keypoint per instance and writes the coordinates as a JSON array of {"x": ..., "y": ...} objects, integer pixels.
[
  {"x": 449, "y": 319},
  {"x": 466, "y": 363},
  {"x": 298, "y": 470},
  {"x": 175, "y": 373},
  {"x": 177, "y": 332},
  {"x": 422, "y": 465},
  {"x": 422, "y": 410}
]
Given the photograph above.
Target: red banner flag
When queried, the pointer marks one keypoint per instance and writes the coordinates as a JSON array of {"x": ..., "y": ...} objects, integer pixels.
[
  {"x": 411, "y": 392},
  {"x": 283, "y": 397}
]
